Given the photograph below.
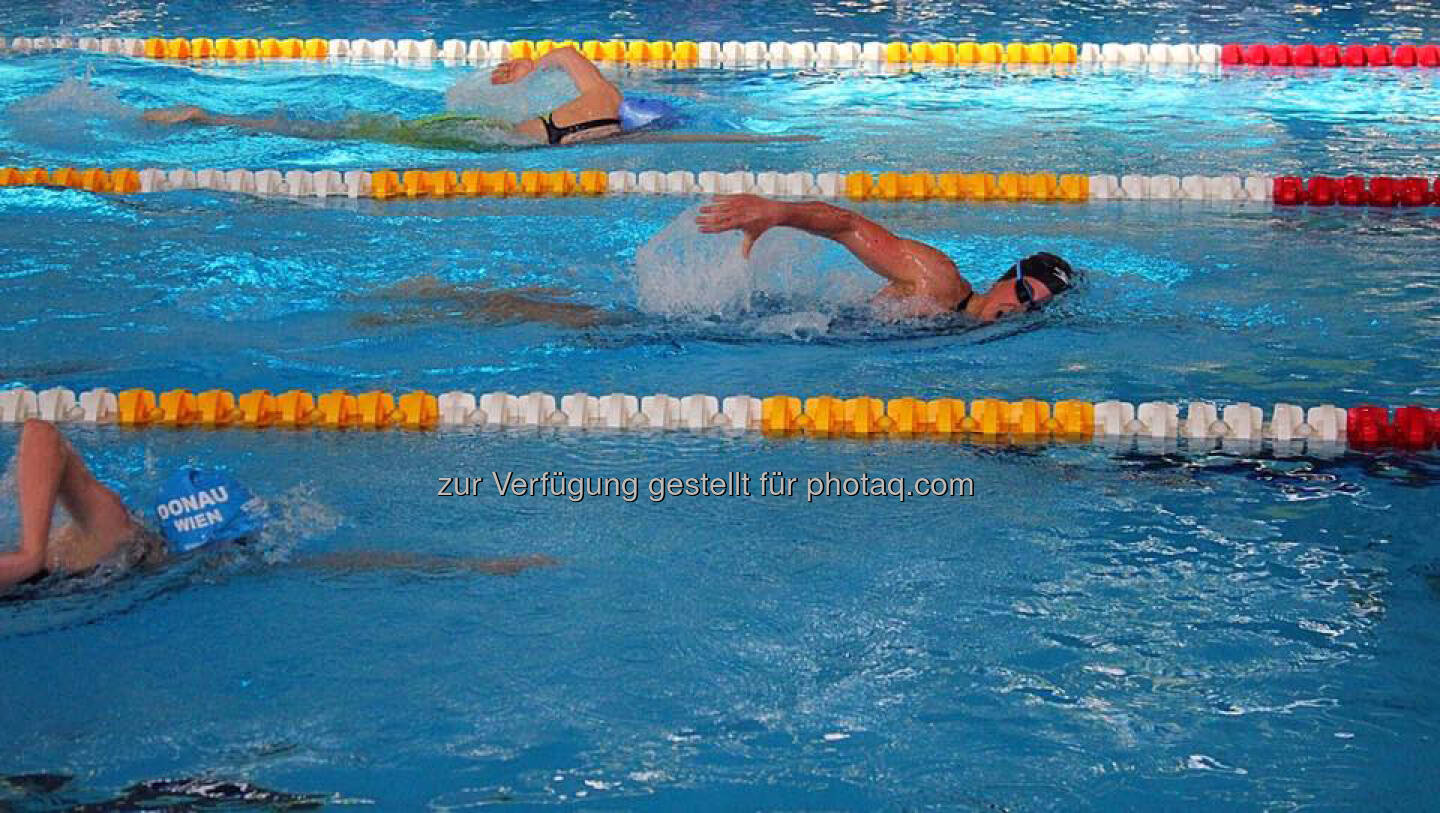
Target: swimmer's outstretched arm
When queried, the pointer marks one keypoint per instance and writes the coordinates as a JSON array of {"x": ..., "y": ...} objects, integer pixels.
[
  {"x": 354, "y": 561},
  {"x": 911, "y": 266}
]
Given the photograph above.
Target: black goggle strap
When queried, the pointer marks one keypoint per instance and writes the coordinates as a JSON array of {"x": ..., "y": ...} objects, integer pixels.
[{"x": 1024, "y": 294}]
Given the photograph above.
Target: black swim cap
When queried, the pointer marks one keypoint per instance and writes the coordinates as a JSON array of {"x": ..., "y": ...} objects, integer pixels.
[{"x": 1057, "y": 274}]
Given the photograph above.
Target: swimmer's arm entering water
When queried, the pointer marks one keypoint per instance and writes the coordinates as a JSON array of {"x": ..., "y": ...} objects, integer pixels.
[
  {"x": 599, "y": 99},
  {"x": 914, "y": 269},
  {"x": 48, "y": 471}
]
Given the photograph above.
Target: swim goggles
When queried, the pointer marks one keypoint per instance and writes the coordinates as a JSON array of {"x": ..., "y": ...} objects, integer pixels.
[{"x": 1024, "y": 294}]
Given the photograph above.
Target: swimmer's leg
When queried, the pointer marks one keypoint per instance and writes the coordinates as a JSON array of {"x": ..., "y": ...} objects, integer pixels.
[
  {"x": 479, "y": 303},
  {"x": 189, "y": 114},
  {"x": 643, "y": 137},
  {"x": 173, "y": 794},
  {"x": 515, "y": 306},
  {"x": 364, "y": 560}
]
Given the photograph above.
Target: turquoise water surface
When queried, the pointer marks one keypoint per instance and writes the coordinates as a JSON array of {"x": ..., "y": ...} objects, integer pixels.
[{"x": 1095, "y": 628}]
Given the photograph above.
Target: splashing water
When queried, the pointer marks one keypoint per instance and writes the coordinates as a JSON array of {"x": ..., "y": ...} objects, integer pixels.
[
  {"x": 682, "y": 273},
  {"x": 535, "y": 95},
  {"x": 74, "y": 116}
]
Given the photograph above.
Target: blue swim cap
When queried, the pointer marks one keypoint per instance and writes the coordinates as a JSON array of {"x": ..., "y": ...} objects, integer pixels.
[
  {"x": 198, "y": 507},
  {"x": 636, "y": 113}
]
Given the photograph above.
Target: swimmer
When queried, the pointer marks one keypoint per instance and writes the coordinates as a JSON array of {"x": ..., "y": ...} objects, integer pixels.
[
  {"x": 923, "y": 282},
  {"x": 600, "y": 112},
  {"x": 196, "y": 509},
  {"x": 428, "y": 299}
]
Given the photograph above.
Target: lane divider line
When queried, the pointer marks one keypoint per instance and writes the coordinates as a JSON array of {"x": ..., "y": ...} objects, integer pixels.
[
  {"x": 1202, "y": 424},
  {"x": 1034, "y": 187},
  {"x": 750, "y": 54}
]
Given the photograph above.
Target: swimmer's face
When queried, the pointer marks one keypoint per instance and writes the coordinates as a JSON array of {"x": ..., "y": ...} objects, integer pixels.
[
  {"x": 1001, "y": 300},
  {"x": 513, "y": 71}
]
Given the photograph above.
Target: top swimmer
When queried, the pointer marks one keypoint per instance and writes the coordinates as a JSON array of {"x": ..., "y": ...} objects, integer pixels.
[
  {"x": 923, "y": 281},
  {"x": 599, "y": 112},
  {"x": 195, "y": 509}
]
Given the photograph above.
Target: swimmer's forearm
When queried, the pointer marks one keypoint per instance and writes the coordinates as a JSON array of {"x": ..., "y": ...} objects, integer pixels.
[{"x": 820, "y": 219}]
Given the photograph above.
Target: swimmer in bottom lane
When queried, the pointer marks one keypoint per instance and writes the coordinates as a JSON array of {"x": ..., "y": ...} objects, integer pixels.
[{"x": 196, "y": 509}]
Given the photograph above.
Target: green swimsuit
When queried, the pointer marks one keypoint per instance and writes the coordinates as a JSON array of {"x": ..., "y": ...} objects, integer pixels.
[{"x": 445, "y": 131}]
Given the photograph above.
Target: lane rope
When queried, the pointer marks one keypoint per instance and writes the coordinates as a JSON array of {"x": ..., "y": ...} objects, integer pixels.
[
  {"x": 1200, "y": 424},
  {"x": 750, "y": 54},
  {"x": 1034, "y": 187}
]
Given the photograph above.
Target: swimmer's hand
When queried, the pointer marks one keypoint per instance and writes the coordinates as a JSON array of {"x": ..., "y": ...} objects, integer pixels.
[
  {"x": 750, "y": 214},
  {"x": 177, "y": 115},
  {"x": 512, "y": 71}
]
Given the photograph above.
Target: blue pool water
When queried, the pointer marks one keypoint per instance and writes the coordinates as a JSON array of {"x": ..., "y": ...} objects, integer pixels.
[
  {"x": 1117, "y": 120},
  {"x": 1092, "y": 629}
]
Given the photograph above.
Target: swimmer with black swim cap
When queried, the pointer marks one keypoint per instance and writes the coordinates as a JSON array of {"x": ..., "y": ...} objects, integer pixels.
[{"x": 923, "y": 282}]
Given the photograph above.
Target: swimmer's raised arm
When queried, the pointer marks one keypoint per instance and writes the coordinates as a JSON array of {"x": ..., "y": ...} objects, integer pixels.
[
  {"x": 40, "y": 465},
  {"x": 912, "y": 267},
  {"x": 582, "y": 71},
  {"x": 49, "y": 472}
]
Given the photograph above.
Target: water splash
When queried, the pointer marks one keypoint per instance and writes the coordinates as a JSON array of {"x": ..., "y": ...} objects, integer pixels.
[
  {"x": 681, "y": 273},
  {"x": 74, "y": 116},
  {"x": 535, "y": 95},
  {"x": 296, "y": 515}
]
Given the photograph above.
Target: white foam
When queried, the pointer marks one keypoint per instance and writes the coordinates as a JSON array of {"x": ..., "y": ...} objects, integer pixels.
[
  {"x": 62, "y": 118},
  {"x": 535, "y": 95},
  {"x": 683, "y": 273}
]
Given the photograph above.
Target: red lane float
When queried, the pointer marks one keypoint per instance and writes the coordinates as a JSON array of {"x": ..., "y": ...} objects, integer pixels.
[
  {"x": 1368, "y": 426},
  {"x": 1355, "y": 190},
  {"x": 1415, "y": 192},
  {"x": 1309, "y": 55},
  {"x": 1414, "y": 427}
]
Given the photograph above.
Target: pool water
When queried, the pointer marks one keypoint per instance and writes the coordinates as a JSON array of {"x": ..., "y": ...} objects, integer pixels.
[
  {"x": 1093, "y": 628},
  {"x": 74, "y": 108}
]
